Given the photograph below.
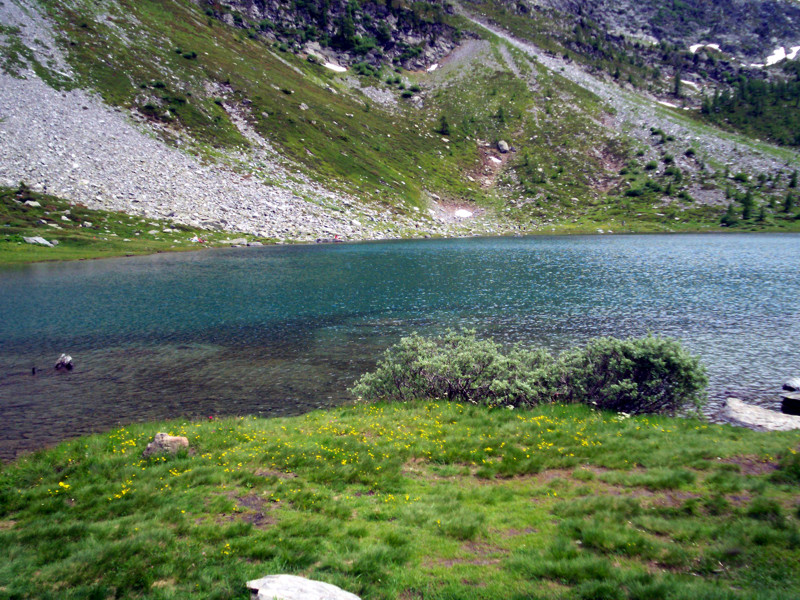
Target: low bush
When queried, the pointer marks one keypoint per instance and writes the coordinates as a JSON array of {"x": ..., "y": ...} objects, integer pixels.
[
  {"x": 644, "y": 375},
  {"x": 458, "y": 366}
]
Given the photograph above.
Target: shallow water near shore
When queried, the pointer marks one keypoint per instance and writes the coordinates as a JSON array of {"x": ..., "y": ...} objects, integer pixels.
[{"x": 282, "y": 330}]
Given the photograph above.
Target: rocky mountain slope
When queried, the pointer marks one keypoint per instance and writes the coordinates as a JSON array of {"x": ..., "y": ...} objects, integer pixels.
[
  {"x": 748, "y": 29},
  {"x": 366, "y": 121}
]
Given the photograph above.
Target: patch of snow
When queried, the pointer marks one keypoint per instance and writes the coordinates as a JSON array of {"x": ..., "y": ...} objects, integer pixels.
[
  {"x": 690, "y": 83},
  {"x": 433, "y": 67},
  {"x": 494, "y": 159},
  {"x": 462, "y": 213},
  {"x": 695, "y": 47},
  {"x": 777, "y": 56},
  {"x": 670, "y": 104},
  {"x": 334, "y": 67}
]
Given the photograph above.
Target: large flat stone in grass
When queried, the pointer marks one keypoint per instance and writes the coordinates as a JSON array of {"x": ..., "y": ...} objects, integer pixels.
[
  {"x": 291, "y": 587},
  {"x": 761, "y": 418},
  {"x": 164, "y": 443}
]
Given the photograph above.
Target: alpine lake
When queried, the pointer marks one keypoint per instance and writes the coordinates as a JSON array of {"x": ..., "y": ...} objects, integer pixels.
[{"x": 286, "y": 329}]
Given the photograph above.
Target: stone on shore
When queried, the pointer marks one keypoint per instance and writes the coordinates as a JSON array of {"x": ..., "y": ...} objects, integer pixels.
[
  {"x": 164, "y": 443},
  {"x": 792, "y": 385},
  {"x": 502, "y": 146},
  {"x": 291, "y": 587},
  {"x": 790, "y": 403},
  {"x": 756, "y": 417}
]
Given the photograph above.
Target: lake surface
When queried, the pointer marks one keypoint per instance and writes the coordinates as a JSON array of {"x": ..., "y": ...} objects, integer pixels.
[{"x": 282, "y": 330}]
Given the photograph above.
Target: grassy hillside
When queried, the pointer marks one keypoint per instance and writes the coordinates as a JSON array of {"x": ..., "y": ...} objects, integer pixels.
[
  {"x": 429, "y": 500},
  {"x": 77, "y": 232}
]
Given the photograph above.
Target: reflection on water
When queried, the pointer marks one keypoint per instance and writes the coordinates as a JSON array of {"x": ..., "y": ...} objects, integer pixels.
[{"x": 282, "y": 330}]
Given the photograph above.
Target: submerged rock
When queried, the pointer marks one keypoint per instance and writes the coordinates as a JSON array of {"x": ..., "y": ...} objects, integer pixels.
[
  {"x": 291, "y": 587},
  {"x": 164, "y": 443},
  {"x": 64, "y": 362}
]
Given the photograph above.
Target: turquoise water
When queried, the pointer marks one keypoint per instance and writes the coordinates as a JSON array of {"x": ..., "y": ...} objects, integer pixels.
[{"x": 281, "y": 330}]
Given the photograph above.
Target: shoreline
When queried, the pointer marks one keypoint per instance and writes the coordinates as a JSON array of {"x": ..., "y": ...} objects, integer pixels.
[{"x": 217, "y": 245}]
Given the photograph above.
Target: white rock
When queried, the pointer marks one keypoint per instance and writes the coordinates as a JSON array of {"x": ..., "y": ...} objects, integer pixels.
[
  {"x": 755, "y": 416},
  {"x": 291, "y": 587},
  {"x": 37, "y": 240},
  {"x": 792, "y": 385}
]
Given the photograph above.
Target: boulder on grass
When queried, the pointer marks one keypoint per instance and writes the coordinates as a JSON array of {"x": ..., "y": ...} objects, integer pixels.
[
  {"x": 291, "y": 587},
  {"x": 164, "y": 443}
]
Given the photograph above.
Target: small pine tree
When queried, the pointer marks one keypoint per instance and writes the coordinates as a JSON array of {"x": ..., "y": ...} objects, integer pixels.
[
  {"x": 729, "y": 219},
  {"x": 788, "y": 203},
  {"x": 762, "y": 214},
  {"x": 444, "y": 126},
  {"x": 747, "y": 206},
  {"x": 677, "y": 84},
  {"x": 793, "y": 180}
]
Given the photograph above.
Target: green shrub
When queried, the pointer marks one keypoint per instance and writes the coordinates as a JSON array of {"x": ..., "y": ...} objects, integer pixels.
[
  {"x": 644, "y": 375},
  {"x": 458, "y": 366}
]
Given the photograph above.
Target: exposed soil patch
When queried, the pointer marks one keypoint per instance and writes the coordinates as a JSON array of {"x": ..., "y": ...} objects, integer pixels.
[
  {"x": 750, "y": 465},
  {"x": 491, "y": 165},
  {"x": 258, "y": 510},
  {"x": 274, "y": 473}
]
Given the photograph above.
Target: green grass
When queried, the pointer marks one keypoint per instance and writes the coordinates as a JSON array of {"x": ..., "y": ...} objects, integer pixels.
[
  {"x": 424, "y": 500},
  {"x": 83, "y": 233}
]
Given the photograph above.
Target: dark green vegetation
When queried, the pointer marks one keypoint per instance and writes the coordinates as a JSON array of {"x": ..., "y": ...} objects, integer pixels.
[
  {"x": 83, "y": 233},
  {"x": 760, "y": 108},
  {"x": 371, "y": 31},
  {"x": 429, "y": 500},
  {"x": 759, "y": 103},
  {"x": 645, "y": 375}
]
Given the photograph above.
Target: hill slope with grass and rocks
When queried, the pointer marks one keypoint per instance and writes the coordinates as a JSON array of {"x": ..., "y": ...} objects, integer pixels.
[{"x": 312, "y": 120}]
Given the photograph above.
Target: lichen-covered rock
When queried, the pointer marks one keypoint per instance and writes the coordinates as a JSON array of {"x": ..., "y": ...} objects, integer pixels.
[
  {"x": 164, "y": 443},
  {"x": 291, "y": 587}
]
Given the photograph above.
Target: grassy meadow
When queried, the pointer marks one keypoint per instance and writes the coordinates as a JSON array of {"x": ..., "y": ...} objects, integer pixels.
[
  {"x": 421, "y": 500},
  {"x": 82, "y": 233}
]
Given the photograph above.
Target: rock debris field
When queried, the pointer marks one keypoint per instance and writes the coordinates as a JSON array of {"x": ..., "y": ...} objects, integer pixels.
[{"x": 84, "y": 151}]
